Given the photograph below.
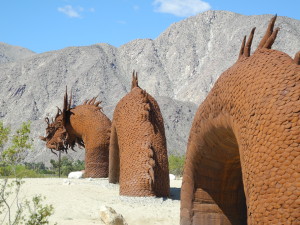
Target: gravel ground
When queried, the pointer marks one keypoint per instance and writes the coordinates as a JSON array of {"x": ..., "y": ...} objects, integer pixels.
[{"x": 78, "y": 201}]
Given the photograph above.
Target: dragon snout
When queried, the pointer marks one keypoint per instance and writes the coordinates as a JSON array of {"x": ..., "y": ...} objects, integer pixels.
[
  {"x": 57, "y": 145},
  {"x": 51, "y": 146},
  {"x": 43, "y": 138}
]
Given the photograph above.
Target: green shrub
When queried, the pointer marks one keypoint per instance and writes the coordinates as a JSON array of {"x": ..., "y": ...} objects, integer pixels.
[
  {"x": 176, "y": 163},
  {"x": 78, "y": 165},
  {"x": 19, "y": 171},
  {"x": 4, "y": 133},
  {"x": 38, "y": 212},
  {"x": 39, "y": 168},
  {"x": 67, "y": 166},
  {"x": 20, "y": 142},
  {"x": 12, "y": 151}
]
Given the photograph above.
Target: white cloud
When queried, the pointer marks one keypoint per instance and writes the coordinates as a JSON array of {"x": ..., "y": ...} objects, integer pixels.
[
  {"x": 182, "y": 8},
  {"x": 92, "y": 10},
  {"x": 136, "y": 7},
  {"x": 70, "y": 11}
]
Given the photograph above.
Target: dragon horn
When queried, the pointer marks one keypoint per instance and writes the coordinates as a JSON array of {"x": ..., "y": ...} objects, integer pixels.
[
  {"x": 65, "y": 108},
  {"x": 70, "y": 101},
  {"x": 64, "y": 112}
]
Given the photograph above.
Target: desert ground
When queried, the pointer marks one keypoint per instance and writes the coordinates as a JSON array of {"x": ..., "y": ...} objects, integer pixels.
[{"x": 78, "y": 201}]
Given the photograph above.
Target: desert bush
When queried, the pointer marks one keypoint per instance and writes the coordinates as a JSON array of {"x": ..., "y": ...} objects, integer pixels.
[
  {"x": 67, "y": 165},
  {"x": 12, "y": 150},
  {"x": 4, "y": 132},
  {"x": 38, "y": 213},
  {"x": 176, "y": 163},
  {"x": 20, "y": 142},
  {"x": 19, "y": 171},
  {"x": 39, "y": 168},
  {"x": 35, "y": 166},
  {"x": 23, "y": 171}
]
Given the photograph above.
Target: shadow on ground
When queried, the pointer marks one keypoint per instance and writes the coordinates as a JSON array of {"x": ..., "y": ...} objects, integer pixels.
[{"x": 175, "y": 193}]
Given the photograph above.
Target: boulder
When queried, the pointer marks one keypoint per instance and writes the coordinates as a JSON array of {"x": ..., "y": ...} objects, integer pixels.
[
  {"x": 109, "y": 216},
  {"x": 172, "y": 176},
  {"x": 76, "y": 174}
]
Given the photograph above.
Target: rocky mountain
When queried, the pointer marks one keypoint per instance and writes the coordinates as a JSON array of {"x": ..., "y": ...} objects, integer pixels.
[
  {"x": 178, "y": 68},
  {"x": 9, "y": 53}
]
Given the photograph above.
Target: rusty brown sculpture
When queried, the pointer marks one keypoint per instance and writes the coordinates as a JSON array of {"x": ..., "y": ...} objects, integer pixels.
[
  {"x": 138, "y": 154},
  {"x": 85, "y": 125},
  {"x": 242, "y": 163}
]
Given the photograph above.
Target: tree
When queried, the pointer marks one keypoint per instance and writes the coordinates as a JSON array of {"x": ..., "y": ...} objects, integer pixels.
[
  {"x": 4, "y": 132},
  {"x": 12, "y": 153},
  {"x": 20, "y": 143},
  {"x": 67, "y": 165},
  {"x": 176, "y": 164}
]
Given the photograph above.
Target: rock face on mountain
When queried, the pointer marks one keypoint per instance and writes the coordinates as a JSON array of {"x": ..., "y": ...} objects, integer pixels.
[
  {"x": 178, "y": 69},
  {"x": 10, "y": 53}
]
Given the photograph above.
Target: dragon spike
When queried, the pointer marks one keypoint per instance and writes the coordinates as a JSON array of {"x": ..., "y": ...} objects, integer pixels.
[
  {"x": 93, "y": 101},
  {"x": 297, "y": 58},
  {"x": 271, "y": 39},
  {"x": 85, "y": 102},
  {"x": 98, "y": 103},
  {"x": 247, "y": 49},
  {"x": 242, "y": 47},
  {"x": 268, "y": 34},
  {"x": 134, "y": 82}
]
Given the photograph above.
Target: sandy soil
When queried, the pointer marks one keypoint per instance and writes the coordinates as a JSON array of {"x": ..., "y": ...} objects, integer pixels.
[{"x": 78, "y": 201}]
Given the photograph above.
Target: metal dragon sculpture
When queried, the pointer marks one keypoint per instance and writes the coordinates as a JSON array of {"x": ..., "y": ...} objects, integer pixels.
[
  {"x": 138, "y": 157},
  {"x": 85, "y": 125},
  {"x": 242, "y": 160}
]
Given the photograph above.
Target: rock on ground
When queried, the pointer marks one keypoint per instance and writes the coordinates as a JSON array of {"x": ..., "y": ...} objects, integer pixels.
[{"x": 109, "y": 216}]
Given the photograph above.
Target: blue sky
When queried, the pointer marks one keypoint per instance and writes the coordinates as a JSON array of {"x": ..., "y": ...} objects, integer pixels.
[{"x": 45, "y": 25}]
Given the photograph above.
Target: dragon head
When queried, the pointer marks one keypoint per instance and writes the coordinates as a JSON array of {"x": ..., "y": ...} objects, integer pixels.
[
  {"x": 56, "y": 133},
  {"x": 57, "y": 138}
]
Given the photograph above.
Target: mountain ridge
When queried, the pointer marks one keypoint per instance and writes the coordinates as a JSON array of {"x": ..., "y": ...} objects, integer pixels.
[
  {"x": 11, "y": 53},
  {"x": 178, "y": 68}
]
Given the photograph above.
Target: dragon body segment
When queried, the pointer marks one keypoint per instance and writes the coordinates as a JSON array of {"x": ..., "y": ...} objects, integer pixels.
[
  {"x": 138, "y": 151},
  {"x": 242, "y": 162}
]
